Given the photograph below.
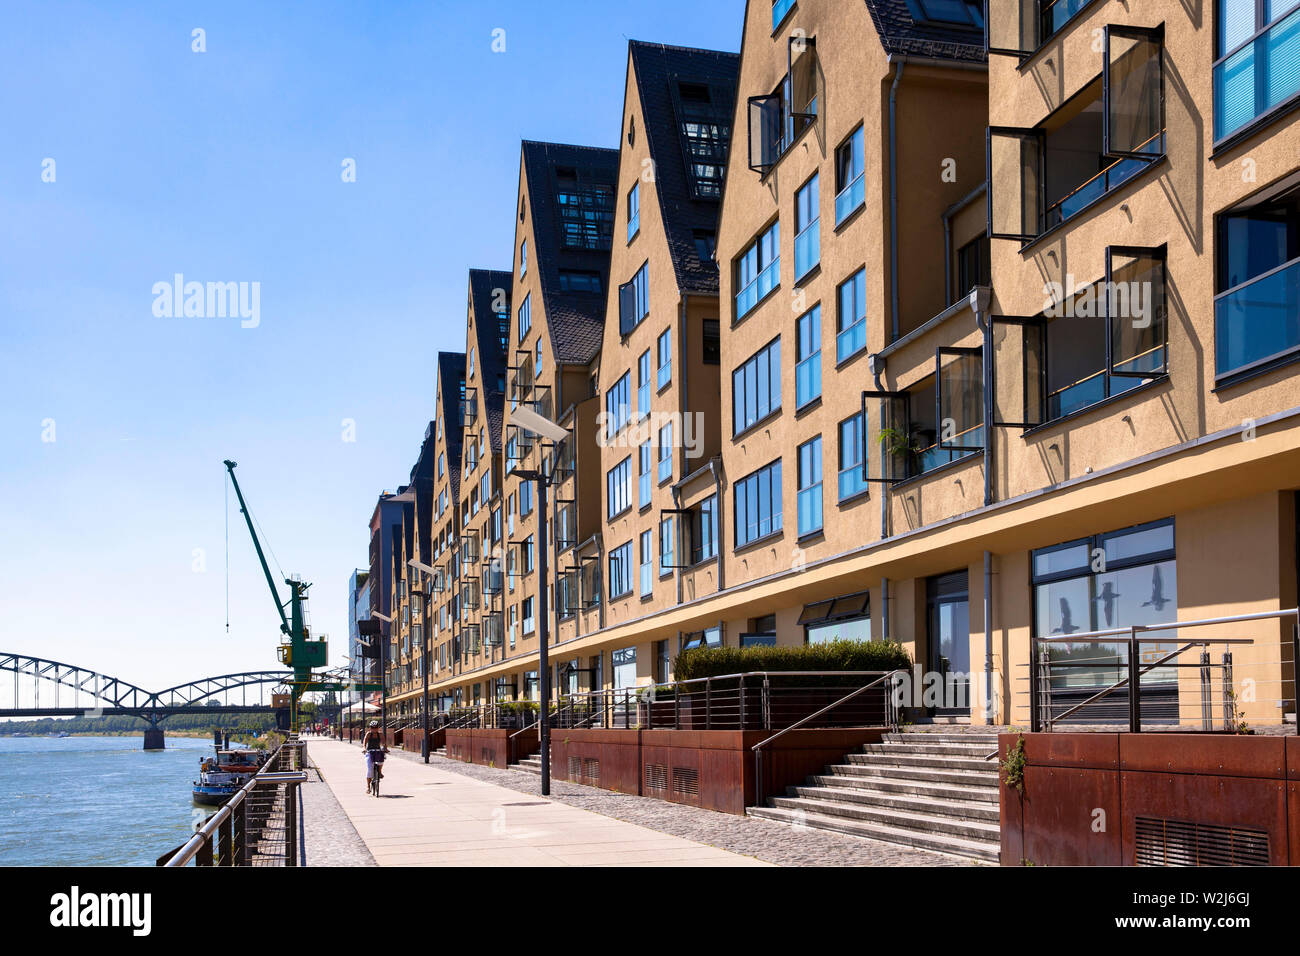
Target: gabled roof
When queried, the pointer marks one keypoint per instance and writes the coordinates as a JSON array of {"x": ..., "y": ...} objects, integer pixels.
[
  {"x": 575, "y": 320},
  {"x": 901, "y": 34},
  {"x": 483, "y": 284},
  {"x": 451, "y": 371},
  {"x": 658, "y": 69}
]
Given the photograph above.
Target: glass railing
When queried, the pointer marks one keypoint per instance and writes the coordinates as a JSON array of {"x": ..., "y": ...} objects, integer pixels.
[
  {"x": 808, "y": 379},
  {"x": 1261, "y": 75},
  {"x": 851, "y": 482},
  {"x": 850, "y": 198},
  {"x": 1258, "y": 320},
  {"x": 779, "y": 9},
  {"x": 851, "y": 340},
  {"x": 1112, "y": 177},
  {"x": 807, "y": 249}
]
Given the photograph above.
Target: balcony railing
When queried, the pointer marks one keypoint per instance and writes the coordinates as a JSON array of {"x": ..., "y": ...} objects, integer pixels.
[
  {"x": 1112, "y": 177},
  {"x": 1258, "y": 320}
]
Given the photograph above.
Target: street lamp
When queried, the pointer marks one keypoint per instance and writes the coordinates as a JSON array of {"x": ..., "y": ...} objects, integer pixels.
[
  {"x": 531, "y": 421},
  {"x": 424, "y": 652},
  {"x": 381, "y": 670}
]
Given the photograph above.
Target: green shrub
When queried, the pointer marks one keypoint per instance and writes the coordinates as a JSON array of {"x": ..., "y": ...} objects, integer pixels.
[{"x": 830, "y": 656}]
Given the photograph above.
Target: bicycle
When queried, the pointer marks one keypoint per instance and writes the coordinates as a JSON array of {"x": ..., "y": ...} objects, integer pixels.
[{"x": 372, "y": 782}]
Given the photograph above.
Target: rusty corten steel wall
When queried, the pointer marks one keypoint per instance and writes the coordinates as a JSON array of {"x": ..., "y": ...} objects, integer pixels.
[
  {"x": 1222, "y": 780},
  {"x": 487, "y": 747}
]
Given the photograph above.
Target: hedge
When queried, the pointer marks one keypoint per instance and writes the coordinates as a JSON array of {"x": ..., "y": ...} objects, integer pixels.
[{"x": 830, "y": 656}]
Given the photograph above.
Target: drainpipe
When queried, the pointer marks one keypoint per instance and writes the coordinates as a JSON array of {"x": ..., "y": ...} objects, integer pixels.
[
  {"x": 990, "y": 705},
  {"x": 893, "y": 198}
]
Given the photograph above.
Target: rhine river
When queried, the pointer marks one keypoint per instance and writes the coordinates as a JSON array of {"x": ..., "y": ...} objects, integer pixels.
[{"x": 96, "y": 801}]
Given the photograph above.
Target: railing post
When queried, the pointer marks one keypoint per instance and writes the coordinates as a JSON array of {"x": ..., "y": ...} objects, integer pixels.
[
  {"x": 1134, "y": 688},
  {"x": 1043, "y": 706},
  {"x": 239, "y": 835},
  {"x": 767, "y": 703},
  {"x": 677, "y": 709},
  {"x": 708, "y": 703},
  {"x": 291, "y": 824},
  {"x": 1229, "y": 712},
  {"x": 742, "y": 701},
  {"x": 1207, "y": 707},
  {"x": 225, "y": 844},
  {"x": 204, "y": 855}
]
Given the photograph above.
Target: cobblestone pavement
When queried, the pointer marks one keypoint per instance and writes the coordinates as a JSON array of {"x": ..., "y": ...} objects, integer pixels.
[
  {"x": 329, "y": 838},
  {"x": 762, "y": 839}
]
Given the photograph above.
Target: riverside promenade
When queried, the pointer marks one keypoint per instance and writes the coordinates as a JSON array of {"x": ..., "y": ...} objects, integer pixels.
[{"x": 427, "y": 816}]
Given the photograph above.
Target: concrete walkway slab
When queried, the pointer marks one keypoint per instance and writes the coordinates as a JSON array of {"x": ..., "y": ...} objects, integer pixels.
[{"x": 427, "y": 816}]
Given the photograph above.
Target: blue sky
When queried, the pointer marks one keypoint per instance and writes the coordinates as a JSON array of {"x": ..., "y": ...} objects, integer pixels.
[{"x": 225, "y": 166}]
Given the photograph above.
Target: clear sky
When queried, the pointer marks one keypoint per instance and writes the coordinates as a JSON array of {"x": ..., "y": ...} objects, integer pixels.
[{"x": 227, "y": 166}]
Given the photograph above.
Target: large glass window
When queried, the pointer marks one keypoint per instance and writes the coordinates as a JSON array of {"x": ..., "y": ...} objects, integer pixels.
[
  {"x": 758, "y": 270},
  {"x": 643, "y": 384},
  {"x": 808, "y": 354},
  {"x": 703, "y": 530},
  {"x": 647, "y": 562},
  {"x": 807, "y": 225},
  {"x": 620, "y": 570},
  {"x": 704, "y": 118},
  {"x": 758, "y": 504},
  {"x": 586, "y": 211},
  {"x": 667, "y": 544},
  {"x": 1258, "y": 67},
  {"x": 1111, "y": 580},
  {"x": 525, "y": 316},
  {"x": 617, "y": 405},
  {"x": 664, "y": 356},
  {"x": 852, "y": 319},
  {"x": 850, "y": 177},
  {"x": 634, "y": 300},
  {"x": 846, "y": 618},
  {"x": 852, "y": 445},
  {"x": 756, "y": 387},
  {"x": 624, "y": 661},
  {"x": 1257, "y": 308},
  {"x": 633, "y": 211},
  {"x": 666, "y": 453},
  {"x": 645, "y": 474},
  {"x": 810, "y": 486},
  {"x": 618, "y": 488}
]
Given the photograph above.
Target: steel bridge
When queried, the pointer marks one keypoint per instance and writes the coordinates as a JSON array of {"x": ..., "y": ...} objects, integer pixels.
[{"x": 72, "y": 691}]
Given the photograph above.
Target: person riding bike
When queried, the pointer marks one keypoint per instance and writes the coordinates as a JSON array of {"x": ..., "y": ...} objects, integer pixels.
[{"x": 373, "y": 745}]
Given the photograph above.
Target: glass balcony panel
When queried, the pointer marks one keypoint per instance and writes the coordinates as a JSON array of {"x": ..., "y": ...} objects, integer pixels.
[
  {"x": 850, "y": 198},
  {"x": 1258, "y": 320},
  {"x": 807, "y": 249},
  {"x": 851, "y": 340},
  {"x": 808, "y": 380}
]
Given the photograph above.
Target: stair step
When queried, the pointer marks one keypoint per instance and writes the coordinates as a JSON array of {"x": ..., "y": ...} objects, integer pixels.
[
  {"x": 948, "y": 808},
  {"x": 935, "y": 761},
  {"x": 908, "y": 785},
  {"x": 957, "y": 778},
  {"x": 903, "y": 819},
  {"x": 975, "y": 849},
  {"x": 914, "y": 737},
  {"x": 975, "y": 751}
]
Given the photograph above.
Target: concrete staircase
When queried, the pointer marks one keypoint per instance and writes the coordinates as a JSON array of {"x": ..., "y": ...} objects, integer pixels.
[
  {"x": 934, "y": 791},
  {"x": 531, "y": 764}
]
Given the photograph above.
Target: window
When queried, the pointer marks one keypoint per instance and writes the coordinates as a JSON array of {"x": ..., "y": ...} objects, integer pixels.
[
  {"x": 1094, "y": 143},
  {"x": 624, "y": 661},
  {"x": 525, "y": 316},
  {"x": 633, "y": 211},
  {"x": 527, "y": 613},
  {"x": 586, "y": 211},
  {"x": 523, "y": 258},
  {"x": 704, "y": 122},
  {"x": 756, "y": 387},
  {"x": 666, "y": 453},
  {"x": 644, "y": 475},
  {"x": 1032, "y": 24},
  {"x": 620, "y": 571},
  {"x": 973, "y": 266},
  {"x": 525, "y": 498},
  {"x": 758, "y": 270},
  {"x": 810, "y": 486},
  {"x": 1257, "y": 305},
  {"x": 618, "y": 488},
  {"x": 441, "y": 463},
  {"x": 634, "y": 300},
  {"x": 579, "y": 280},
  {"x": 962, "y": 13},
  {"x": 761, "y": 632},
  {"x": 758, "y": 504},
  {"x": 526, "y": 556},
  {"x": 537, "y": 359},
  {"x": 852, "y": 336},
  {"x": 662, "y": 662},
  {"x": 702, "y": 528},
  {"x": 617, "y": 409},
  {"x": 850, "y": 177},
  {"x": 664, "y": 354},
  {"x": 1257, "y": 43},
  {"x": 852, "y": 448},
  {"x": 807, "y": 228},
  {"x": 643, "y": 384},
  {"x": 808, "y": 354},
  {"x": 647, "y": 562},
  {"x": 712, "y": 637},
  {"x": 667, "y": 545},
  {"x": 706, "y": 244},
  {"x": 1137, "y": 584},
  {"x": 846, "y": 618},
  {"x": 710, "y": 342},
  {"x": 779, "y": 10}
]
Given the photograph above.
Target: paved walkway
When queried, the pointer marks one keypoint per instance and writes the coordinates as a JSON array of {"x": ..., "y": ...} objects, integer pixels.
[{"x": 428, "y": 816}]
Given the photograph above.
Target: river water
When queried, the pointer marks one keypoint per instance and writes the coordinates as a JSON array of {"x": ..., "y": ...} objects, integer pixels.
[{"x": 96, "y": 801}]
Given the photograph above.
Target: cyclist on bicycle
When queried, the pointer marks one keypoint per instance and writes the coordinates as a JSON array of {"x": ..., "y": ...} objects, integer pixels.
[{"x": 373, "y": 745}]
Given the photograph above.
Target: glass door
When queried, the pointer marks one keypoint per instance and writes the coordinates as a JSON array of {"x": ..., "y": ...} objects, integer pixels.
[{"x": 948, "y": 600}]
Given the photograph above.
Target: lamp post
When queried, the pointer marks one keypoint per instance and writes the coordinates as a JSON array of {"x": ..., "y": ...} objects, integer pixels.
[
  {"x": 424, "y": 653},
  {"x": 531, "y": 421},
  {"x": 382, "y": 678}
]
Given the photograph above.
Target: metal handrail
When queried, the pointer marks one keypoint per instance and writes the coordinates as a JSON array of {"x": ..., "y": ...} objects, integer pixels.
[{"x": 758, "y": 747}]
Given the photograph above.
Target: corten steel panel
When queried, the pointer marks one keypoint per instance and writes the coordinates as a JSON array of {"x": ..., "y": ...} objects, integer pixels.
[
  {"x": 1012, "y": 825},
  {"x": 793, "y": 758},
  {"x": 1219, "y": 800},
  {"x": 1231, "y": 755},
  {"x": 722, "y": 778},
  {"x": 462, "y": 739},
  {"x": 525, "y": 745},
  {"x": 1094, "y": 751},
  {"x": 1293, "y": 819},
  {"x": 1059, "y": 814},
  {"x": 489, "y": 747},
  {"x": 617, "y": 750},
  {"x": 1292, "y": 758}
]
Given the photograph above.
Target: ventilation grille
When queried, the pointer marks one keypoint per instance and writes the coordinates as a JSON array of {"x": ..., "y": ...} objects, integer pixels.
[
  {"x": 591, "y": 770},
  {"x": 686, "y": 780},
  {"x": 575, "y": 768},
  {"x": 1179, "y": 843},
  {"x": 487, "y": 755},
  {"x": 656, "y": 777}
]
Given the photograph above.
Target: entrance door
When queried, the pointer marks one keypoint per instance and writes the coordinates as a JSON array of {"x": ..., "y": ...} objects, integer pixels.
[{"x": 948, "y": 599}]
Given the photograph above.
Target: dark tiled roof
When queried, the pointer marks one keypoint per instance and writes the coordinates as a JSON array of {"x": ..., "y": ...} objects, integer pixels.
[
  {"x": 483, "y": 284},
  {"x": 451, "y": 371},
  {"x": 901, "y": 34},
  {"x": 575, "y": 320},
  {"x": 658, "y": 69}
]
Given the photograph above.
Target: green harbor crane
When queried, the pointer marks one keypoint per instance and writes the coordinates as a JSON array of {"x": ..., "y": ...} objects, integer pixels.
[{"x": 296, "y": 650}]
